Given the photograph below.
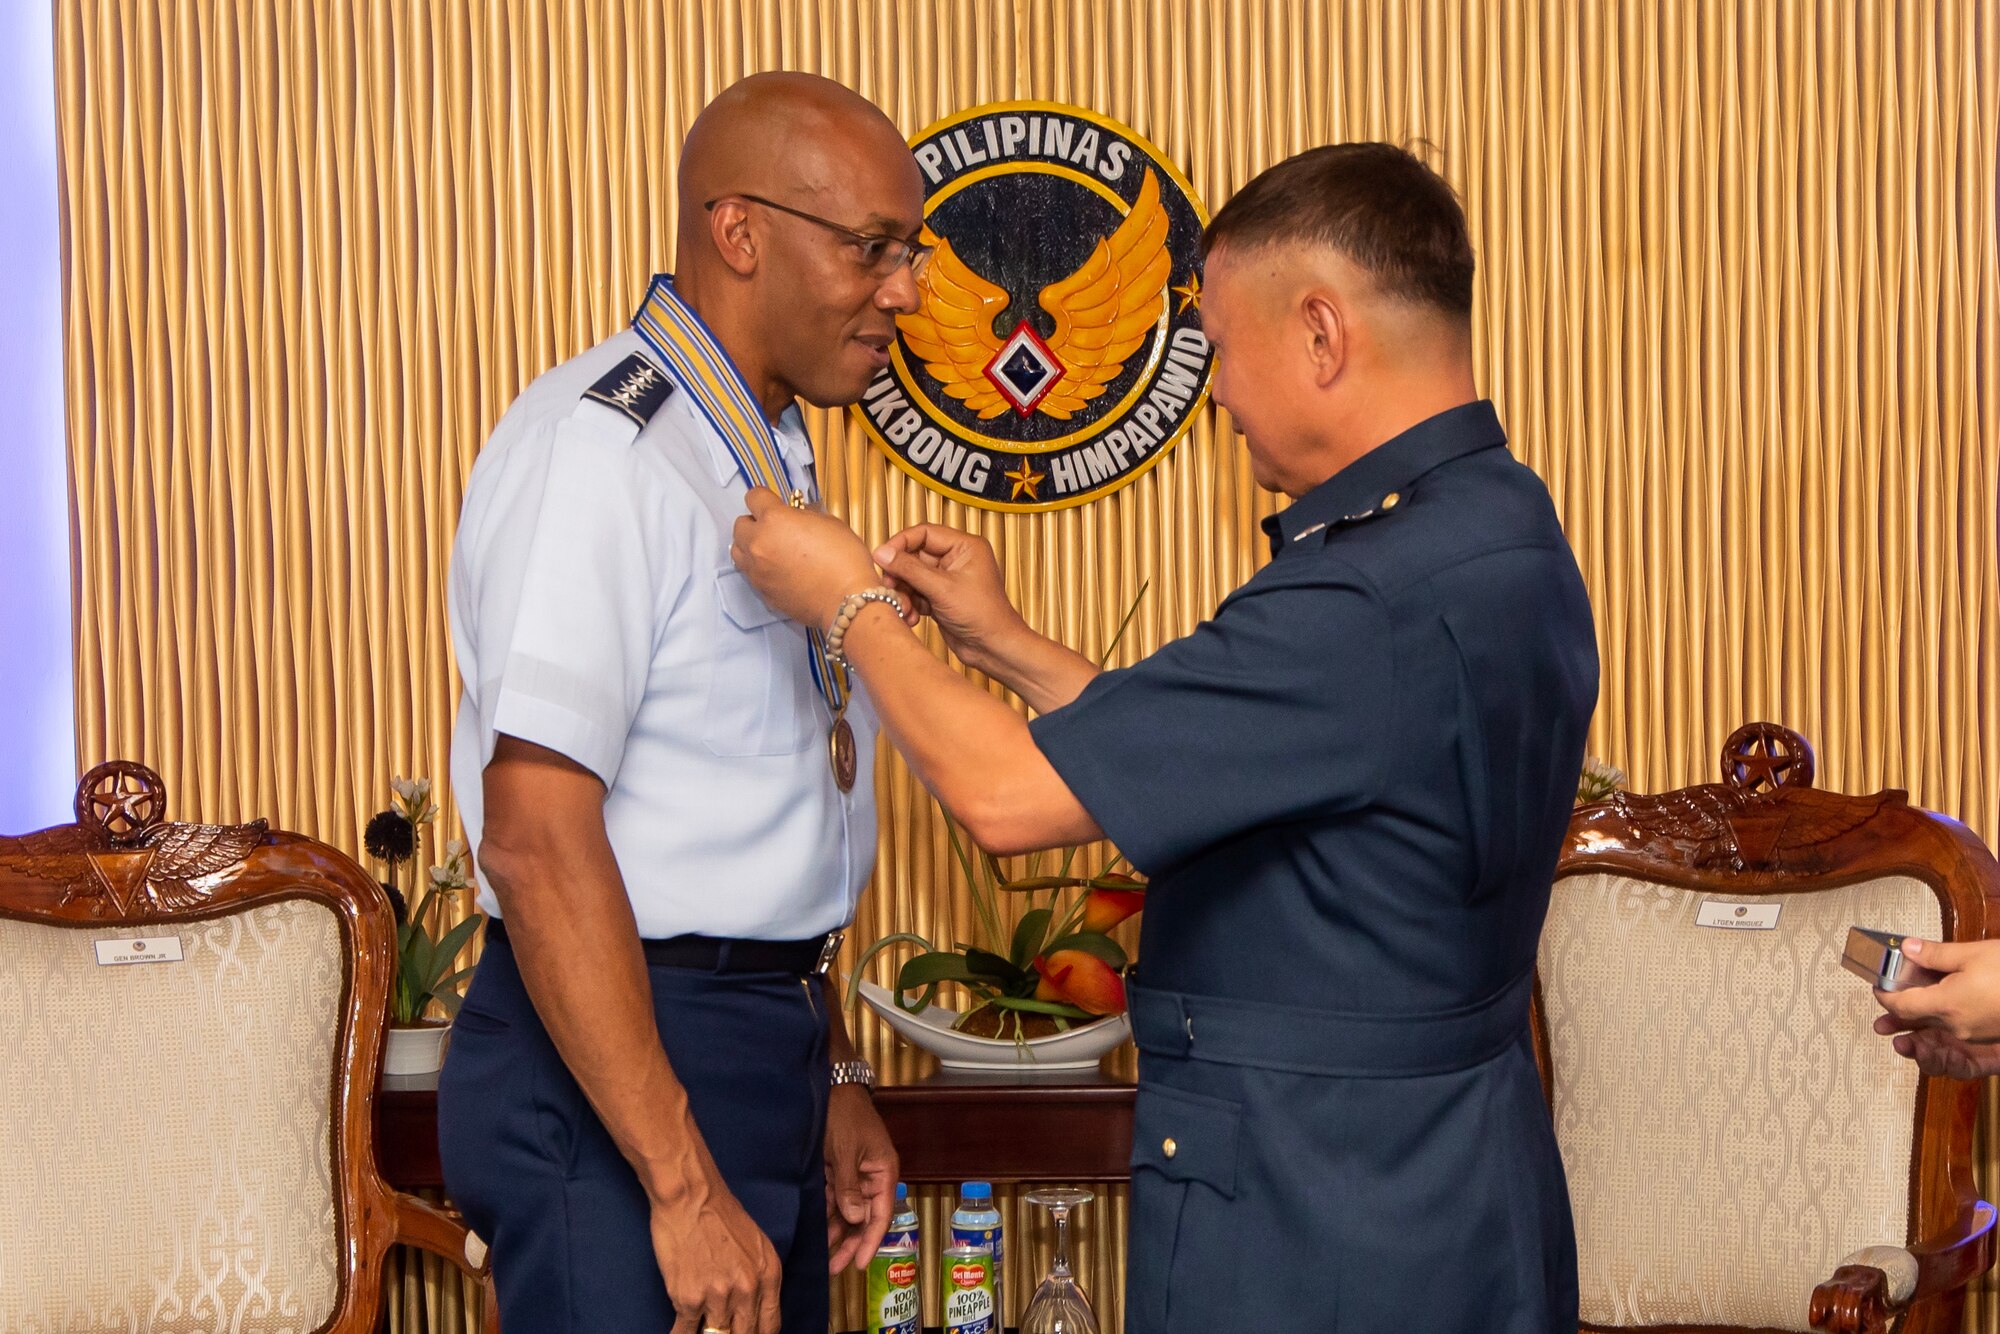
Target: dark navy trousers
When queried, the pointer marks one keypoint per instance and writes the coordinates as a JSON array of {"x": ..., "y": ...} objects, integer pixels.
[{"x": 538, "y": 1177}]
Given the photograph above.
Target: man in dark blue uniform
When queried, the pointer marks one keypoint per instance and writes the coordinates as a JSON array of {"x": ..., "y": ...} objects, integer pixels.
[{"x": 1349, "y": 788}]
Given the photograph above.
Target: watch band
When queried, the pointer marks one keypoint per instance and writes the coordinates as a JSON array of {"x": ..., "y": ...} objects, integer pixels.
[{"x": 854, "y": 1072}]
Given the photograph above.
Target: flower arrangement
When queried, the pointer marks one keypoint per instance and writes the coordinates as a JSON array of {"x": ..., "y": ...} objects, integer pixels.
[
  {"x": 424, "y": 954},
  {"x": 1057, "y": 968}
]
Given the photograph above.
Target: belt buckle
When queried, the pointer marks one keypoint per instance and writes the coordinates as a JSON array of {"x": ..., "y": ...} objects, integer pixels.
[{"x": 828, "y": 952}]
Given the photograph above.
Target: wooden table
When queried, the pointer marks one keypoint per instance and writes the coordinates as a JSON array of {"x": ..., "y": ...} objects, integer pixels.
[{"x": 946, "y": 1126}]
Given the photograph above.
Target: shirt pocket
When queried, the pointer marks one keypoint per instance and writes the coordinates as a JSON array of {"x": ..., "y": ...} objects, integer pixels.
[{"x": 760, "y": 683}]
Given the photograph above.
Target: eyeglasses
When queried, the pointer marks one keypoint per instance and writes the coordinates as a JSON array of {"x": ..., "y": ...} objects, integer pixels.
[{"x": 881, "y": 254}]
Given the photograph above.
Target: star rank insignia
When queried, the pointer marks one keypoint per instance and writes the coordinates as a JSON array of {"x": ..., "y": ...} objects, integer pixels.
[{"x": 635, "y": 387}]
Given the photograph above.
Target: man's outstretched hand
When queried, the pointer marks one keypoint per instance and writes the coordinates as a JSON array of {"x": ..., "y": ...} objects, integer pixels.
[{"x": 953, "y": 578}]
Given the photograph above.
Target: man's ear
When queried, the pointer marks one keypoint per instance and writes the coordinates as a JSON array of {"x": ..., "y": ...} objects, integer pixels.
[
  {"x": 1325, "y": 334},
  {"x": 729, "y": 227}
]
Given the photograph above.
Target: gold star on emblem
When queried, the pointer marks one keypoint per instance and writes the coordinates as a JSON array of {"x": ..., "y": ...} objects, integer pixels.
[
  {"x": 1189, "y": 293},
  {"x": 1025, "y": 478}
]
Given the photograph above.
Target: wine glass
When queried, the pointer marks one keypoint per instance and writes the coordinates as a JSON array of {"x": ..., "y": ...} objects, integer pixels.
[{"x": 1059, "y": 1306}]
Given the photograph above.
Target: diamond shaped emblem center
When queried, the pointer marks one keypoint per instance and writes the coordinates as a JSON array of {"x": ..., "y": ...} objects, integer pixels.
[{"x": 1024, "y": 370}]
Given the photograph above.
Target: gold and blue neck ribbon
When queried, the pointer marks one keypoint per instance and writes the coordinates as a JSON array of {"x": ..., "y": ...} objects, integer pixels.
[{"x": 699, "y": 365}]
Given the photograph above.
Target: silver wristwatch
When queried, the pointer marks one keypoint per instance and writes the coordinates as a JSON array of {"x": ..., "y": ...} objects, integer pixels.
[{"x": 854, "y": 1072}]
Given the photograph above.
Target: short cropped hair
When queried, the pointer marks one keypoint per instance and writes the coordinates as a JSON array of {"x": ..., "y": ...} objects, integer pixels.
[{"x": 1377, "y": 204}]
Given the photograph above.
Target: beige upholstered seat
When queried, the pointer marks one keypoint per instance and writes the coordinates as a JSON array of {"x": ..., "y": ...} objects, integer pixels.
[
  {"x": 184, "y": 1142},
  {"x": 1733, "y": 1130},
  {"x": 169, "y": 1160}
]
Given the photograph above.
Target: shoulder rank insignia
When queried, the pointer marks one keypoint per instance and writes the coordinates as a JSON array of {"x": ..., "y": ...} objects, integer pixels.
[{"x": 635, "y": 387}]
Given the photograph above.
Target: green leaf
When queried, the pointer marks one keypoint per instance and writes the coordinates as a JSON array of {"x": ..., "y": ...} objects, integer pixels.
[
  {"x": 1032, "y": 1006},
  {"x": 451, "y": 1000},
  {"x": 449, "y": 985},
  {"x": 987, "y": 964},
  {"x": 868, "y": 956},
  {"x": 423, "y": 906},
  {"x": 403, "y": 1008},
  {"x": 1130, "y": 611},
  {"x": 1029, "y": 935},
  {"x": 934, "y": 967},
  {"x": 981, "y": 898},
  {"x": 1093, "y": 943},
  {"x": 417, "y": 963},
  {"x": 448, "y": 948},
  {"x": 1034, "y": 884}
]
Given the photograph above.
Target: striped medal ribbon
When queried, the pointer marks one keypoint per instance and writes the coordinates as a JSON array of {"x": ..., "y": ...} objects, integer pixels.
[{"x": 700, "y": 366}]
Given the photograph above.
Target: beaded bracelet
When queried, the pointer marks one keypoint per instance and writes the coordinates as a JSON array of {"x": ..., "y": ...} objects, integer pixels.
[{"x": 850, "y": 607}]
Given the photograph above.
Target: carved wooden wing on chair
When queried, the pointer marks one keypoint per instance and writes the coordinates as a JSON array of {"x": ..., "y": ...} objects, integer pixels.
[
  {"x": 191, "y": 1022},
  {"x": 1743, "y": 1151}
]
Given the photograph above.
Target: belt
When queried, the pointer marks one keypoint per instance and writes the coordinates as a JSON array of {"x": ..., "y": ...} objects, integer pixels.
[
  {"x": 718, "y": 954},
  {"x": 1329, "y": 1042}
]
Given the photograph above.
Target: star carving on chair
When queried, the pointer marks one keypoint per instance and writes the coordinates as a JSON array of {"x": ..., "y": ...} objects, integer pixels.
[
  {"x": 1763, "y": 757},
  {"x": 122, "y": 801},
  {"x": 1761, "y": 766}
]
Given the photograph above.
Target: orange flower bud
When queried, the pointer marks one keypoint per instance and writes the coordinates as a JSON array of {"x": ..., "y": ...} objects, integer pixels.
[
  {"x": 1106, "y": 908},
  {"x": 1079, "y": 978}
]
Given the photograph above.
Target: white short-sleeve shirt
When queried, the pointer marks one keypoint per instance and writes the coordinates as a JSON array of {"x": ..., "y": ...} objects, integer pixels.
[{"x": 595, "y": 611}]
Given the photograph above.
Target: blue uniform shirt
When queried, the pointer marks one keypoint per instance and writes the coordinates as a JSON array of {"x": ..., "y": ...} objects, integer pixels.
[{"x": 1350, "y": 788}]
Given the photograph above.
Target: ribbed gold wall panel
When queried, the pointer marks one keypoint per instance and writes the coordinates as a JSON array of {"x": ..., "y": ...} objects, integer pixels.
[{"x": 1738, "y": 306}]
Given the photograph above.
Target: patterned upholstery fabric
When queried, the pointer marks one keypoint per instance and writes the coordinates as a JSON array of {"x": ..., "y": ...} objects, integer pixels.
[
  {"x": 1731, "y": 1126},
  {"x": 165, "y": 1138}
]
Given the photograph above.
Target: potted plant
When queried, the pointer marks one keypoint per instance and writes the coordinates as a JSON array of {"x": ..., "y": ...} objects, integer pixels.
[
  {"x": 426, "y": 948},
  {"x": 1047, "y": 992}
]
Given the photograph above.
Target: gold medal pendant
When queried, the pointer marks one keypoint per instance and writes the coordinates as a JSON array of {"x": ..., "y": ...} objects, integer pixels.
[{"x": 841, "y": 751}]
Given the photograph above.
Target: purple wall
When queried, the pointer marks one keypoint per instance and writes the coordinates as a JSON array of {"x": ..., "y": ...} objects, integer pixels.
[{"x": 37, "y": 718}]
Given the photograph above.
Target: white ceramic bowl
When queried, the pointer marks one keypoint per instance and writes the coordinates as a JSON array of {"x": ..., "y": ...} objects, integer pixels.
[{"x": 1078, "y": 1049}]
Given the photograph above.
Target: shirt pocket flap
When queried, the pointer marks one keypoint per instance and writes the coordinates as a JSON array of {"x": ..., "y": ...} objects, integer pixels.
[
  {"x": 740, "y": 603},
  {"x": 1187, "y": 1137}
]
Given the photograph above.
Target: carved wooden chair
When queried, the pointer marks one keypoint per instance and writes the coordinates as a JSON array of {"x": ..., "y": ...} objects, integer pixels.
[
  {"x": 1743, "y": 1151},
  {"x": 191, "y": 1020}
]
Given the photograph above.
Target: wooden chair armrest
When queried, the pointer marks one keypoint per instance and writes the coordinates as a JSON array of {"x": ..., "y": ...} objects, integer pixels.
[
  {"x": 430, "y": 1228},
  {"x": 1864, "y": 1297},
  {"x": 1963, "y": 1253}
]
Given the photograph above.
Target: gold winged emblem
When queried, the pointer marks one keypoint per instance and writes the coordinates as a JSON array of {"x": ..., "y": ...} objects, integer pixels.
[{"x": 1103, "y": 312}]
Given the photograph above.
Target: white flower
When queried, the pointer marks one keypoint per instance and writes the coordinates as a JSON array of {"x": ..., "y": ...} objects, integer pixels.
[
  {"x": 1598, "y": 780},
  {"x": 453, "y": 873},
  {"x": 413, "y": 798}
]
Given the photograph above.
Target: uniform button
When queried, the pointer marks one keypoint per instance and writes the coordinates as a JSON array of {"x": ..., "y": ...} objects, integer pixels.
[
  {"x": 1393, "y": 499},
  {"x": 1168, "y": 1147}
]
